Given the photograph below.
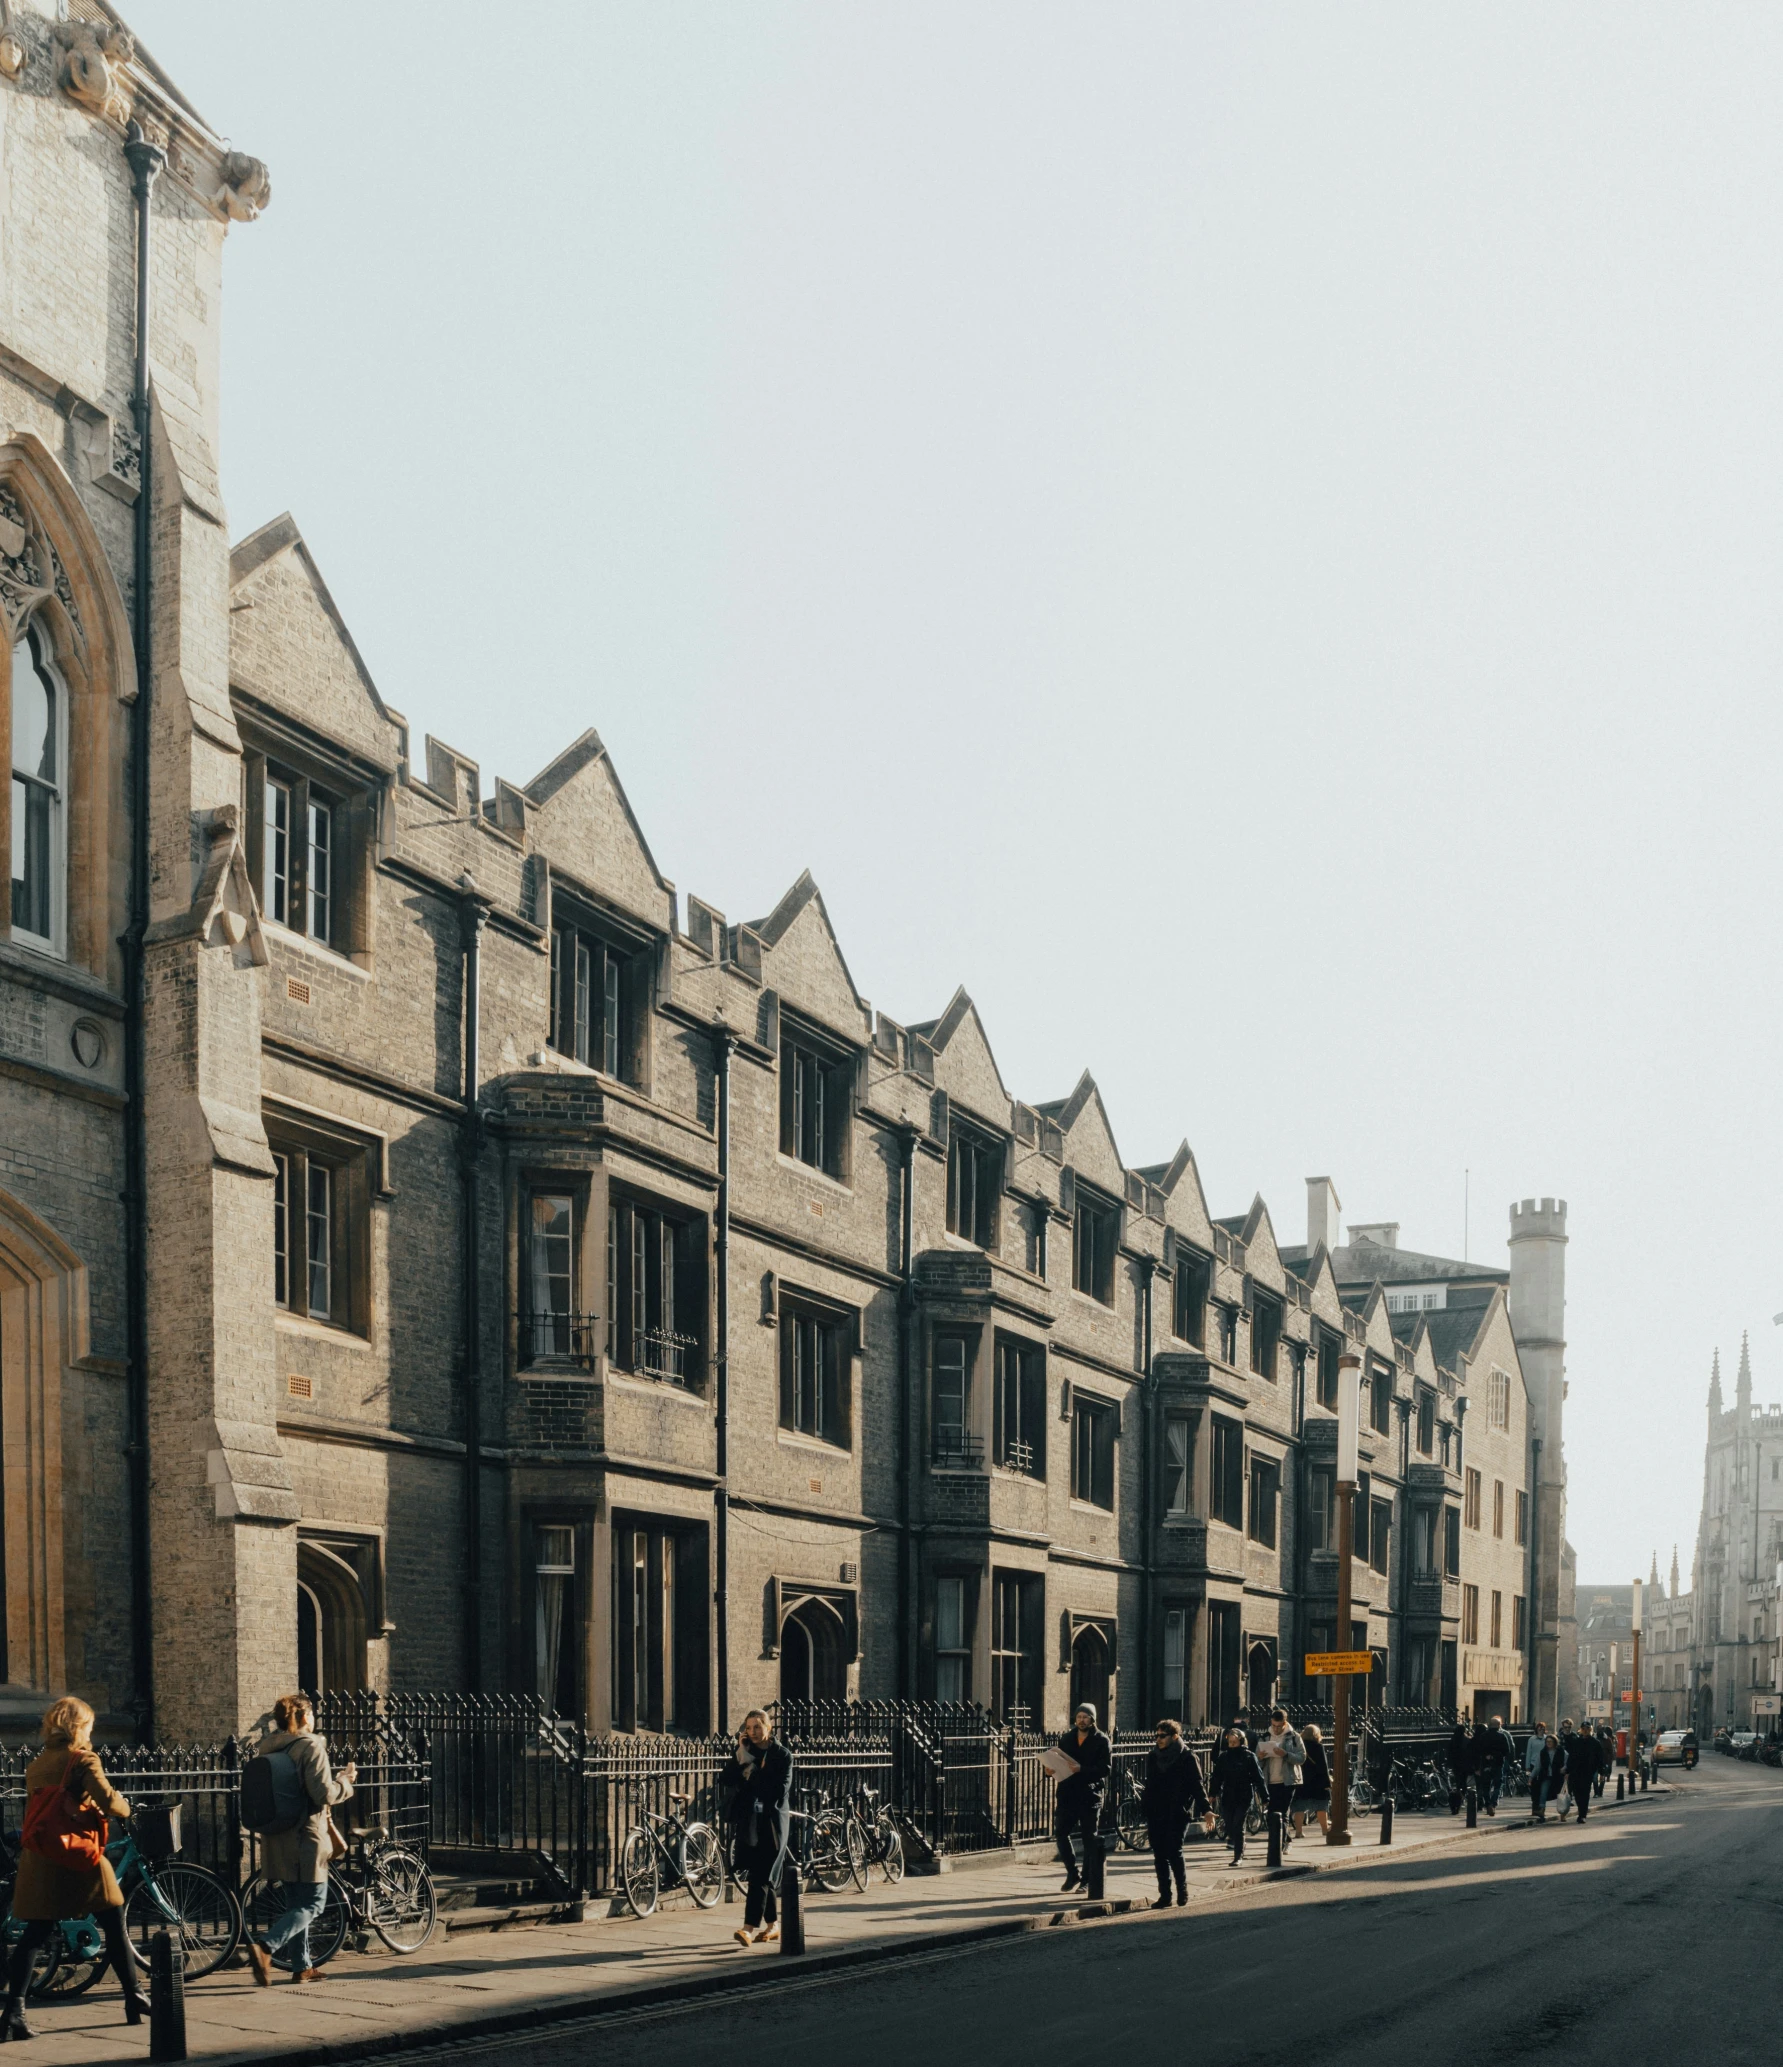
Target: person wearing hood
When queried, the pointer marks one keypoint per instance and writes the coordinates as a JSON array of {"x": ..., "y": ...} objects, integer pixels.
[
  {"x": 1079, "y": 1809},
  {"x": 1173, "y": 1792},
  {"x": 757, "y": 1782},
  {"x": 296, "y": 1860},
  {"x": 1237, "y": 1777}
]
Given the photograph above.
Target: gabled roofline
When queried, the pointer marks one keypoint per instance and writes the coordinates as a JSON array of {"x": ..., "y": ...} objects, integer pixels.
[
  {"x": 266, "y": 544},
  {"x": 1066, "y": 1112},
  {"x": 938, "y": 1032},
  {"x": 582, "y": 752},
  {"x": 773, "y": 929}
]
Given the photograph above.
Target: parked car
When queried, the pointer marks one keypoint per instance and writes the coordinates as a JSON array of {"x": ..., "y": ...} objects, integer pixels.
[
  {"x": 1675, "y": 1748},
  {"x": 1743, "y": 1743}
]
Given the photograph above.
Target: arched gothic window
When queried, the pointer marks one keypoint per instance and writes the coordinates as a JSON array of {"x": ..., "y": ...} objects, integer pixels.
[{"x": 39, "y": 793}]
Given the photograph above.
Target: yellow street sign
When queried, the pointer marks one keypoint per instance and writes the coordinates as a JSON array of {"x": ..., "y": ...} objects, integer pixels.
[{"x": 1337, "y": 1664}]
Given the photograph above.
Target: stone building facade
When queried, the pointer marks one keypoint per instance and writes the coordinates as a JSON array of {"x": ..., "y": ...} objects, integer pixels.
[{"x": 435, "y": 1254}]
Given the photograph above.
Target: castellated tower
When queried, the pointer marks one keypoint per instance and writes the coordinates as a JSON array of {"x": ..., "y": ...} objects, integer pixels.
[{"x": 1538, "y": 1319}]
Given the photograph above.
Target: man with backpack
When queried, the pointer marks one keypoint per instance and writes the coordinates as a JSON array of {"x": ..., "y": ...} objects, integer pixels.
[{"x": 287, "y": 1789}]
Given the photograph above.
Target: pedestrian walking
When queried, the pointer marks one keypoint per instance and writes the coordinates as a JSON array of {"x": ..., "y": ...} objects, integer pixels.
[
  {"x": 286, "y": 1804},
  {"x": 1549, "y": 1778},
  {"x": 1581, "y": 1770},
  {"x": 1606, "y": 1756},
  {"x": 1173, "y": 1792},
  {"x": 1534, "y": 1749},
  {"x": 1494, "y": 1756},
  {"x": 1235, "y": 1781},
  {"x": 1569, "y": 1749},
  {"x": 757, "y": 1782},
  {"x": 1282, "y": 1755},
  {"x": 1078, "y": 1811},
  {"x": 1313, "y": 1796},
  {"x": 63, "y": 1872},
  {"x": 1464, "y": 1758}
]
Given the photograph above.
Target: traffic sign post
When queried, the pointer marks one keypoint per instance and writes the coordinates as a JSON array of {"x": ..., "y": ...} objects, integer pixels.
[{"x": 1338, "y": 1664}]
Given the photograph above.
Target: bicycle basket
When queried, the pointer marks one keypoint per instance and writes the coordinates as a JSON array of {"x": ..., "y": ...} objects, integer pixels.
[{"x": 157, "y": 1830}]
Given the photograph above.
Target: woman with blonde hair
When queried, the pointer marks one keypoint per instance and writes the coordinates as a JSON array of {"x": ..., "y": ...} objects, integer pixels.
[{"x": 63, "y": 1871}]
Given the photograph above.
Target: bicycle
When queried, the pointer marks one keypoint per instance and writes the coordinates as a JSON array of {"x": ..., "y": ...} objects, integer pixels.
[
  {"x": 161, "y": 1892},
  {"x": 880, "y": 1834},
  {"x": 380, "y": 1887},
  {"x": 828, "y": 1846},
  {"x": 665, "y": 1852},
  {"x": 1123, "y": 1819}
]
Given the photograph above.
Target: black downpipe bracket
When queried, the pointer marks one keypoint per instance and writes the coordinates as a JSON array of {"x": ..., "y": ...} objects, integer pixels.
[
  {"x": 145, "y": 161},
  {"x": 473, "y": 912},
  {"x": 721, "y": 1361}
]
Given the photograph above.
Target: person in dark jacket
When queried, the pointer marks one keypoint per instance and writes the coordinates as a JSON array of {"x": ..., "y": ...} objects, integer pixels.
[
  {"x": 1581, "y": 1770},
  {"x": 1173, "y": 1792},
  {"x": 1464, "y": 1762},
  {"x": 1079, "y": 1809},
  {"x": 1313, "y": 1796},
  {"x": 758, "y": 1783},
  {"x": 1495, "y": 1756},
  {"x": 1573, "y": 1748},
  {"x": 1236, "y": 1778},
  {"x": 1546, "y": 1777},
  {"x": 1606, "y": 1755}
]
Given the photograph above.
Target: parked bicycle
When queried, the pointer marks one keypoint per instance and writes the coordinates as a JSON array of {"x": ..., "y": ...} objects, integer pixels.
[
  {"x": 379, "y": 1888},
  {"x": 1123, "y": 1818},
  {"x": 665, "y": 1852},
  {"x": 161, "y": 1892},
  {"x": 880, "y": 1834}
]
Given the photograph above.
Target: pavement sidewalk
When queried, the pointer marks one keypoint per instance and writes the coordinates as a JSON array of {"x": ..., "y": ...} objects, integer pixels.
[{"x": 490, "y": 1980}]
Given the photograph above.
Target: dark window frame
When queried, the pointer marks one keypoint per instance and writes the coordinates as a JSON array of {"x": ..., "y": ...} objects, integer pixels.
[
  {"x": 677, "y": 1656},
  {"x": 1451, "y": 1542},
  {"x": 330, "y": 815},
  {"x": 975, "y": 1168},
  {"x": 1095, "y": 1433},
  {"x": 1425, "y": 1438},
  {"x": 1266, "y": 1335},
  {"x": 817, "y": 1087},
  {"x": 1225, "y": 1499},
  {"x": 600, "y": 984},
  {"x": 1330, "y": 1348},
  {"x": 1018, "y": 1437},
  {"x": 954, "y": 1444},
  {"x": 1169, "y": 1468},
  {"x": 300, "y": 1154},
  {"x": 1264, "y": 1488},
  {"x": 1017, "y": 1647},
  {"x": 1095, "y": 1243},
  {"x": 1380, "y": 1399},
  {"x": 817, "y": 1346},
  {"x": 656, "y": 1296},
  {"x": 1190, "y": 1293},
  {"x": 1380, "y": 1535}
]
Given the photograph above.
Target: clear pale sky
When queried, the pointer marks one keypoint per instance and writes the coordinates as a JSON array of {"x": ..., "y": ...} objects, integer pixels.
[{"x": 1247, "y": 537}]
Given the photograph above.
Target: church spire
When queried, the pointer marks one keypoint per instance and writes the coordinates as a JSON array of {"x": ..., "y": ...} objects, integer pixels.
[
  {"x": 1715, "y": 1385},
  {"x": 1742, "y": 1392},
  {"x": 1674, "y": 1591}
]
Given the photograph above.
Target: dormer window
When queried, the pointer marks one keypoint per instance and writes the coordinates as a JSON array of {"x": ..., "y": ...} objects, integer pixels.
[
  {"x": 1096, "y": 1235},
  {"x": 1194, "y": 1280},
  {"x": 974, "y": 1185},
  {"x": 594, "y": 986},
  {"x": 308, "y": 836},
  {"x": 39, "y": 787},
  {"x": 816, "y": 1097}
]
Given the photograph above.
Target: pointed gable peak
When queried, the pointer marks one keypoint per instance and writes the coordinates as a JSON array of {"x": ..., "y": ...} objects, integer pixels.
[
  {"x": 802, "y": 897},
  {"x": 574, "y": 758},
  {"x": 583, "y": 753},
  {"x": 963, "y": 1014},
  {"x": 281, "y": 535}
]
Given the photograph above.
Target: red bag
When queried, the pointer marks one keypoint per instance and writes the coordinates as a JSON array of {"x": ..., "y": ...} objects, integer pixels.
[{"x": 64, "y": 1829}]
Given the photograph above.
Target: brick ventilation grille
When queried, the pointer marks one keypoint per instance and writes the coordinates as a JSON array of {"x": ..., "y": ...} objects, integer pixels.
[
  {"x": 298, "y": 993},
  {"x": 299, "y": 1387}
]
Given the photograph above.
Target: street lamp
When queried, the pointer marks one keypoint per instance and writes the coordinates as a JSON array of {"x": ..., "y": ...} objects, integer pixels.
[
  {"x": 1349, "y": 1438},
  {"x": 1634, "y": 1706}
]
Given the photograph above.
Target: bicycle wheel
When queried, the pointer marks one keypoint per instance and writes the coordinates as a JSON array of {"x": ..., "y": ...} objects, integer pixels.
[
  {"x": 828, "y": 1864},
  {"x": 891, "y": 1852},
  {"x": 73, "y": 1961},
  {"x": 854, "y": 1843},
  {"x": 1255, "y": 1819},
  {"x": 263, "y": 1901},
  {"x": 702, "y": 1864},
  {"x": 400, "y": 1899},
  {"x": 637, "y": 1871},
  {"x": 192, "y": 1904},
  {"x": 1134, "y": 1837}
]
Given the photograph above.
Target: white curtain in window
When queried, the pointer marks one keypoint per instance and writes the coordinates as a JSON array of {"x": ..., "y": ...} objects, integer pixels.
[{"x": 555, "y": 1569}]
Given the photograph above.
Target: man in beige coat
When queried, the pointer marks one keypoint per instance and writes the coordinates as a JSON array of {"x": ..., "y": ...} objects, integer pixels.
[{"x": 298, "y": 1858}]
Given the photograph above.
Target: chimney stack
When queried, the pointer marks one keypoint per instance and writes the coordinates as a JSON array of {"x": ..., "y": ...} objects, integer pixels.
[{"x": 1323, "y": 1215}]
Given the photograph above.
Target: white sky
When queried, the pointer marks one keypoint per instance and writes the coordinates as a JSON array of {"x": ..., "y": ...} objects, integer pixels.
[{"x": 1247, "y": 537}]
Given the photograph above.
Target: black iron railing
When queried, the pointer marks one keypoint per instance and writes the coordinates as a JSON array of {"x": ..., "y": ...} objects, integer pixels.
[
  {"x": 954, "y": 1450},
  {"x": 560, "y": 1338}
]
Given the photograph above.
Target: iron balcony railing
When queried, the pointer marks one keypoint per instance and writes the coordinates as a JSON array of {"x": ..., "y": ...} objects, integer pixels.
[
  {"x": 658, "y": 1353},
  {"x": 560, "y": 1338},
  {"x": 955, "y": 1450}
]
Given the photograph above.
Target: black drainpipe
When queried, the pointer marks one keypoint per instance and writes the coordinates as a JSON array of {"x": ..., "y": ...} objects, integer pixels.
[
  {"x": 1148, "y": 1471},
  {"x": 721, "y": 1362},
  {"x": 145, "y": 161},
  {"x": 906, "y": 1434},
  {"x": 473, "y": 912},
  {"x": 1405, "y": 1554}
]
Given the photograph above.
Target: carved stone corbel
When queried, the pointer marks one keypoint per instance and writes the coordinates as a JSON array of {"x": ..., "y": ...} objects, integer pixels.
[
  {"x": 246, "y": 188},
  {"x": 224, "y": 913},
  {"x": 92, "y": 59}
]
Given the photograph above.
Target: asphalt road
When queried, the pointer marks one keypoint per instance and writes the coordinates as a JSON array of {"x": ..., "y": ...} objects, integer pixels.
[{"x": 1649, "y": 1934}]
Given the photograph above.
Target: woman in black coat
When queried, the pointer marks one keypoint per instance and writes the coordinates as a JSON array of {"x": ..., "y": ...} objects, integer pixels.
[
  {"x": 1235, "y": 1777},
  {"x": 1172, "y": 1793},
  {"x": 758, "y": 1780}
]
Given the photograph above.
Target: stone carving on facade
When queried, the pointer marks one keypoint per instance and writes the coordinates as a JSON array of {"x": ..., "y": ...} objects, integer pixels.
[
  {"x": 246, "y": 188},
  {"x": 31, "y": 571},
  {"x": 93, "y": 57},
  {"x": 12, "y": 51},
  {"x": 223, "y": 908}
]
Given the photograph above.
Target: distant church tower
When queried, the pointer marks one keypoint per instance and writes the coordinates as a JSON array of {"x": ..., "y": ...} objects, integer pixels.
[{"x": 1538, "y": 1320}]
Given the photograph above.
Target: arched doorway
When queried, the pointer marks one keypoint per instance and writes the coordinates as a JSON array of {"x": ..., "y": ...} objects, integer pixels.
[
  {"x": 813, "y": 1655},
  {"x": 331, "y": 1621},
  {"x": 1259, "y": 1673},
  {"x": 1091, "y": 1671}
]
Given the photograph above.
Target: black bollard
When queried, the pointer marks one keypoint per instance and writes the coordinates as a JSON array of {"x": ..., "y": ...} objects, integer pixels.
[
  {"x": 167, "y": 1999},
  {"x": 1643, "y": 1778},
  {"x": 1387, "y": 1812},
  {"x": 1274, "y": 1858},
  {"x": 1619, "y": 1779},
  {"x": 1473, "y": 1807},
  {"x": 792, "y": 1910}
]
